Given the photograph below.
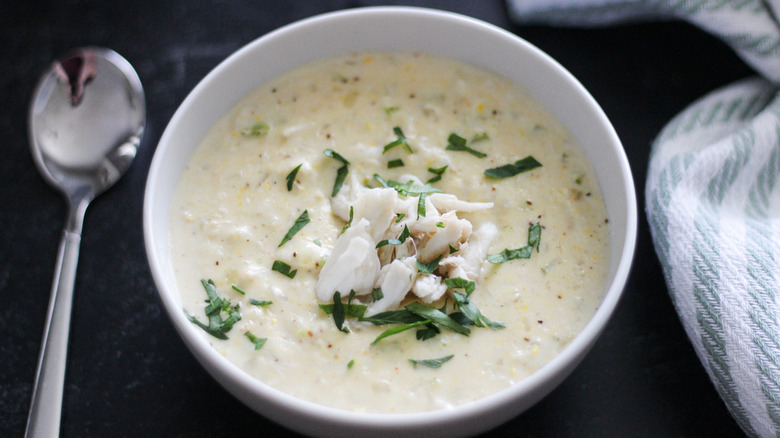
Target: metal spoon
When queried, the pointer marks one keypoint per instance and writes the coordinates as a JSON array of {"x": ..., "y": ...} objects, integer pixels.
[{"x": 85, "y": 124}]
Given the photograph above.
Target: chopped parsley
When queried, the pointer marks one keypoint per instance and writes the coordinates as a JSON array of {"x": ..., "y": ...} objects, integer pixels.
[
  {"x": 428, "y": 268},
  {"x": 301, "y": 222},
  {"x": 438, "y": 317},
  {"x": 349, "y": 223},
  {"x": 259, "y": 342},
  {"x": 458, "y": 143},
  {"x": 400, "y": 140},
  {"x": 341, "y": 173},
  {"x": 216, "y": 306},
  {"x": 399, "y": 329},
  {"x": 534, "y": 239},
  {"x": 471, "y": 312},
  {"x": 353, "y": 310},
  {"x": 407, "y": 188},
  {"x": 291, "y": 177},
  {"x": 395, "y": 163},
  {"x": 436, "y": 171},
  {"x": 461, "y": 283},
  {"x": 512, "y": 169},
  {"x": 401, "y": 238},
  {"x": 421, "y": 205},
  {"x": 283, "y": 268},
  {"x": 431, "y": 363}
]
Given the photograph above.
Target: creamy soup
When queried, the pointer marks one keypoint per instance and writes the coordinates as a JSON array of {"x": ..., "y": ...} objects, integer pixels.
[{"x": 289, "y": 195}]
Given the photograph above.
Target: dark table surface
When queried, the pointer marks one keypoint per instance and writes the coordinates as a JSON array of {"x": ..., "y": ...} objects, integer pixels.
[{"x": 129, "y": 375}]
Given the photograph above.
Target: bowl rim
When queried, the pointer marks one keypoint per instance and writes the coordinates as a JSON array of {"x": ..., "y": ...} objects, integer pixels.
[{"x": 231, "y": 376}]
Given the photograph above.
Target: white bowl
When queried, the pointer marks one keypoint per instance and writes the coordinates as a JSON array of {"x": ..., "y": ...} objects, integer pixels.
[{"x": 408, "y": 29}]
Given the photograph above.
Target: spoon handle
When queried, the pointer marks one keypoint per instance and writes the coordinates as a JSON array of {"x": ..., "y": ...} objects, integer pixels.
[{"x": 46, "y": 406}]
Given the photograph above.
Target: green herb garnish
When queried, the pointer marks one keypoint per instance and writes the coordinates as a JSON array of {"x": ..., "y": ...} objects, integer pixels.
[
  {"x": 350, "y": 364},
  {"x": 395, "y": 163},
  {"x": 437, "y": 317},
  {"x": 428, "y": 332},
  {"x": 431, "y": 363},
  {"x": 349, "y": 223},
  {"x": 259, "y": 129},
  {"x": 509, "y": 170},
  {"x": 260, "y": 303},
  {"x": 341, "y": 173},
  {"x": 471, "y": 312},
  {"x": 436, "y": 171},
  {"x": 283, "y": 268},
  {"x": 534, "y": 240},
  {"x": 400, "y": 140},
  {"x": 399, "y": 216},
  {"x": 428, "y": 268},
  {"x": 429, "y": 320},
  {"x": 401, "y": 239},
  {"x": 401, "y": 316},
  {"x": 399, "y": 329},
  {"x": 421, "y": 205},
  {"x": 291, "y": 177},
  {"x": 217, "y": 326},
  {"x": 461, "y": 283},
  {"x": 349, "y": 309},
  {"x": 301, "y": 222},
  {"x": 259, "y": 342},
  {"x": 238, "y": 289},
  {"x": 510, "y": 254},
  {"x": 407, "y": 188},
  {"x": 377, "y": 294},
  {"x": 458, "y": 143},
  {"x": 338, "y": 312}
]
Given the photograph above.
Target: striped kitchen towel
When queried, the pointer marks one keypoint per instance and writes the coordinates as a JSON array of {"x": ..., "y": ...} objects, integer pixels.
[{"x": 713, "y": 197}]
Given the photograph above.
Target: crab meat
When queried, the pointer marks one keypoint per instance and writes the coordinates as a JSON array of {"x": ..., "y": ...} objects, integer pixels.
[
  {"x": 376, "y": 205},
  {"x": 395, "y": 280},
  {"x": 383, "y": 214},
  {"x": 349, "y": 192},
  {"x": 468, "y": 261},
  {"x": 438, "y": 233},
  {"x": 429, "y": 288},
  {"x": 353, "y": 264},
  {"x": 447, "y": 202}
]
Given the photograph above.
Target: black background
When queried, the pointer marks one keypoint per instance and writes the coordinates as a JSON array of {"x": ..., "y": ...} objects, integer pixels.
[{"x": 129, "y": 375}]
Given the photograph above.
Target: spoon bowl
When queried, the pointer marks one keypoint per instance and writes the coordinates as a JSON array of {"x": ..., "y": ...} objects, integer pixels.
[{"x": 86, "y": 119}]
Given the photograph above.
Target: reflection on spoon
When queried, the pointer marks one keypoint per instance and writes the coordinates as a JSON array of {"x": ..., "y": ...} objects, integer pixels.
[{"x": 76, "y": 71}]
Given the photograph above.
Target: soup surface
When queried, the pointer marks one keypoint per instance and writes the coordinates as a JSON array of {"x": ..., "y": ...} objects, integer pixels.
[{"x": 373, "y": 119}]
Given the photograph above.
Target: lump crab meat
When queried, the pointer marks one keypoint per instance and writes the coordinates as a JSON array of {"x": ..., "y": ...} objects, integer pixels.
[
  {"x": 382, "y": 214},
  {"x": 353, "y": 265}
]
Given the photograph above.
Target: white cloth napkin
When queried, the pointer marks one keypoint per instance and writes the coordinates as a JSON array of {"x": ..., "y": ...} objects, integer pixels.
[{"x": 713, "y": 197}]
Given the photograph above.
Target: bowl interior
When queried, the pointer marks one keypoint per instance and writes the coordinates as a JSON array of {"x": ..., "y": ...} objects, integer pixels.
[{"x": 391, "y": 29}]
